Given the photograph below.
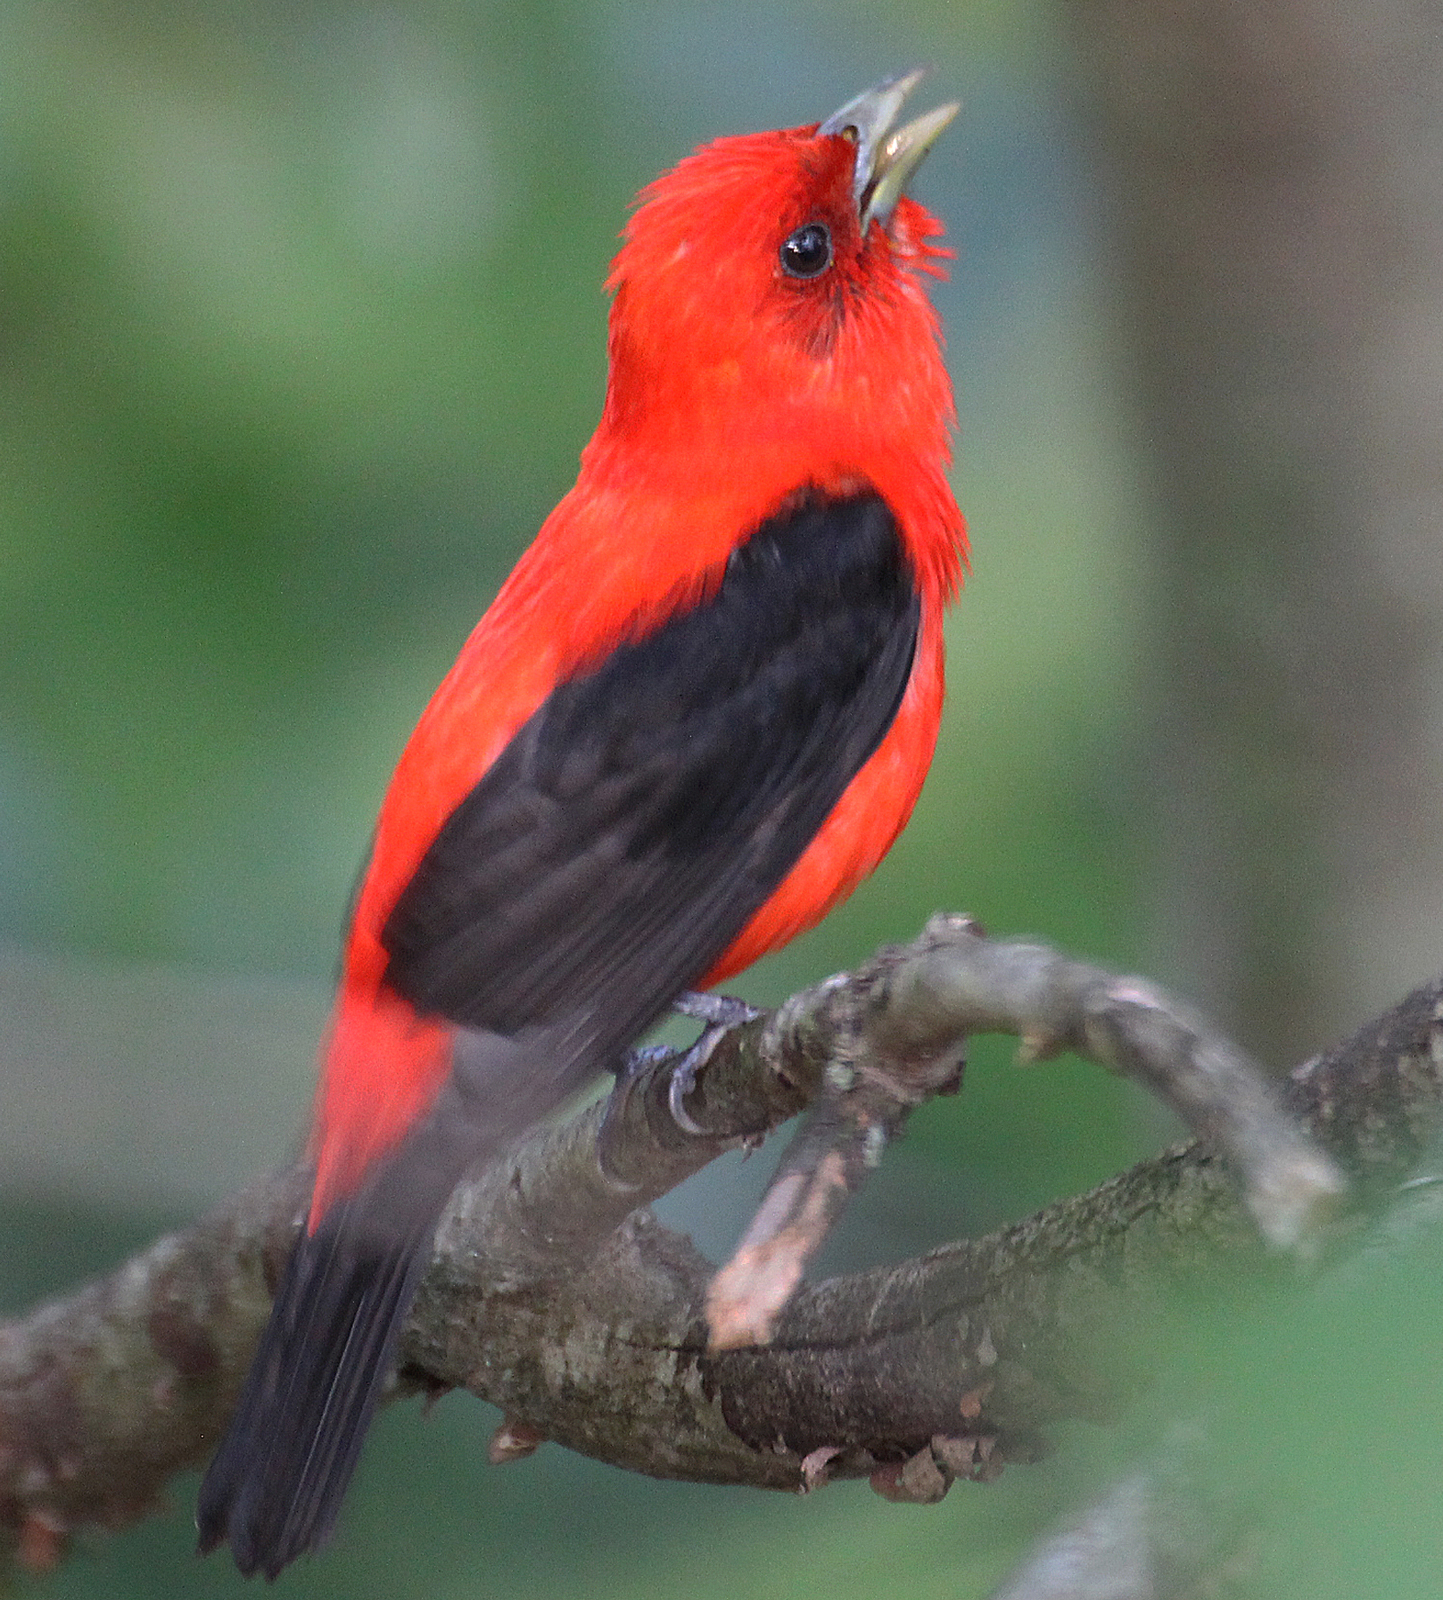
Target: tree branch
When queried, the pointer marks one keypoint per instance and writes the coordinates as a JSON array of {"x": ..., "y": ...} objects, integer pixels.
[{"x": 553, "y": 1296}]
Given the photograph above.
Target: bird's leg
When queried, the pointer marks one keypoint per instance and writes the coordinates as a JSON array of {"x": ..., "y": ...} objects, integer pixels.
[{"x": 717, "y": 1012}]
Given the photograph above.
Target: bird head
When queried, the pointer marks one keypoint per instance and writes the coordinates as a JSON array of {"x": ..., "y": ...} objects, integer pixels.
[{"x": 769, "y": 282}]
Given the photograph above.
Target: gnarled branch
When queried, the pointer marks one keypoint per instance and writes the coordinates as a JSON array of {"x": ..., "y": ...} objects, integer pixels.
[{"x": 553, "y": 1296}]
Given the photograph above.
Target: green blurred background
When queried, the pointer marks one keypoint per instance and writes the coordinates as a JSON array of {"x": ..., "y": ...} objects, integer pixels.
[{"x": 301, "y": 331}]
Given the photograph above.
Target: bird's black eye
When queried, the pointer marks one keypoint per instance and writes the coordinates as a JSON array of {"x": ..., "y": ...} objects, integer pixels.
[{"x": 807, "y": 252}]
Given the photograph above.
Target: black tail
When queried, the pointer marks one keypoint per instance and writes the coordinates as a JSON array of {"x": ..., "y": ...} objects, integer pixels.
[{"x": 277, "y": 1481}]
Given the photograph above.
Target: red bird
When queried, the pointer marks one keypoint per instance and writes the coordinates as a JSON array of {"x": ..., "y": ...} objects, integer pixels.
[{"x": 696, "y": 716}]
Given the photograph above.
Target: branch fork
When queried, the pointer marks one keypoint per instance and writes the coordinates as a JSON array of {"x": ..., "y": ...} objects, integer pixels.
[{"x": 586, "y": 1322}]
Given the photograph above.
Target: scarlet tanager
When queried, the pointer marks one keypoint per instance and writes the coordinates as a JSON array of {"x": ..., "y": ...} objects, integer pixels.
[{"x": 696, "y": 716}]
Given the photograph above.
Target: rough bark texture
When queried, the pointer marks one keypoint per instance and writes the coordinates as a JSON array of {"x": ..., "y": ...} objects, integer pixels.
[{"x": 583, "y": 1319}]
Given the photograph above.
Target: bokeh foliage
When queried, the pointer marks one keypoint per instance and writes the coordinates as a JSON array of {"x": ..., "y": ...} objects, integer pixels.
[{"x": 300, "y": 333}]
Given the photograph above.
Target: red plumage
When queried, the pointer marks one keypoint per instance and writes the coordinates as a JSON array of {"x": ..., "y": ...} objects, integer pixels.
[
  {"x": 738, "y": 391},
  {"x": 715, "y": 414}
]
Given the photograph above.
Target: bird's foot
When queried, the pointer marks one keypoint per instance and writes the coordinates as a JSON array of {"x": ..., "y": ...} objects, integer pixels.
[{"x": 717, "y": 1012}]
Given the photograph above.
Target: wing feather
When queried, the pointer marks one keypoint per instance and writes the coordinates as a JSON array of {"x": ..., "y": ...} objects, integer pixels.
[{"x": 648, "y": 808}]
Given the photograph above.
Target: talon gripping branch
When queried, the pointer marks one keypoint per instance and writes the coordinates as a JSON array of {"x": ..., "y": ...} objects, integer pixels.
[{"x": 696, "y": 716}]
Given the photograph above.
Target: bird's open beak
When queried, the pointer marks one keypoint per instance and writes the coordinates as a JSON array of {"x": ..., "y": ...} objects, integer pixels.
[{"x": 886, "y": 160}]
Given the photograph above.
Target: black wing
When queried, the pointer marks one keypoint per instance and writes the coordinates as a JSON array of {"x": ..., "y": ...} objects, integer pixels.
[
  {"x": 633, "y": 825},
  {"x": 610, "y": 855}
]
